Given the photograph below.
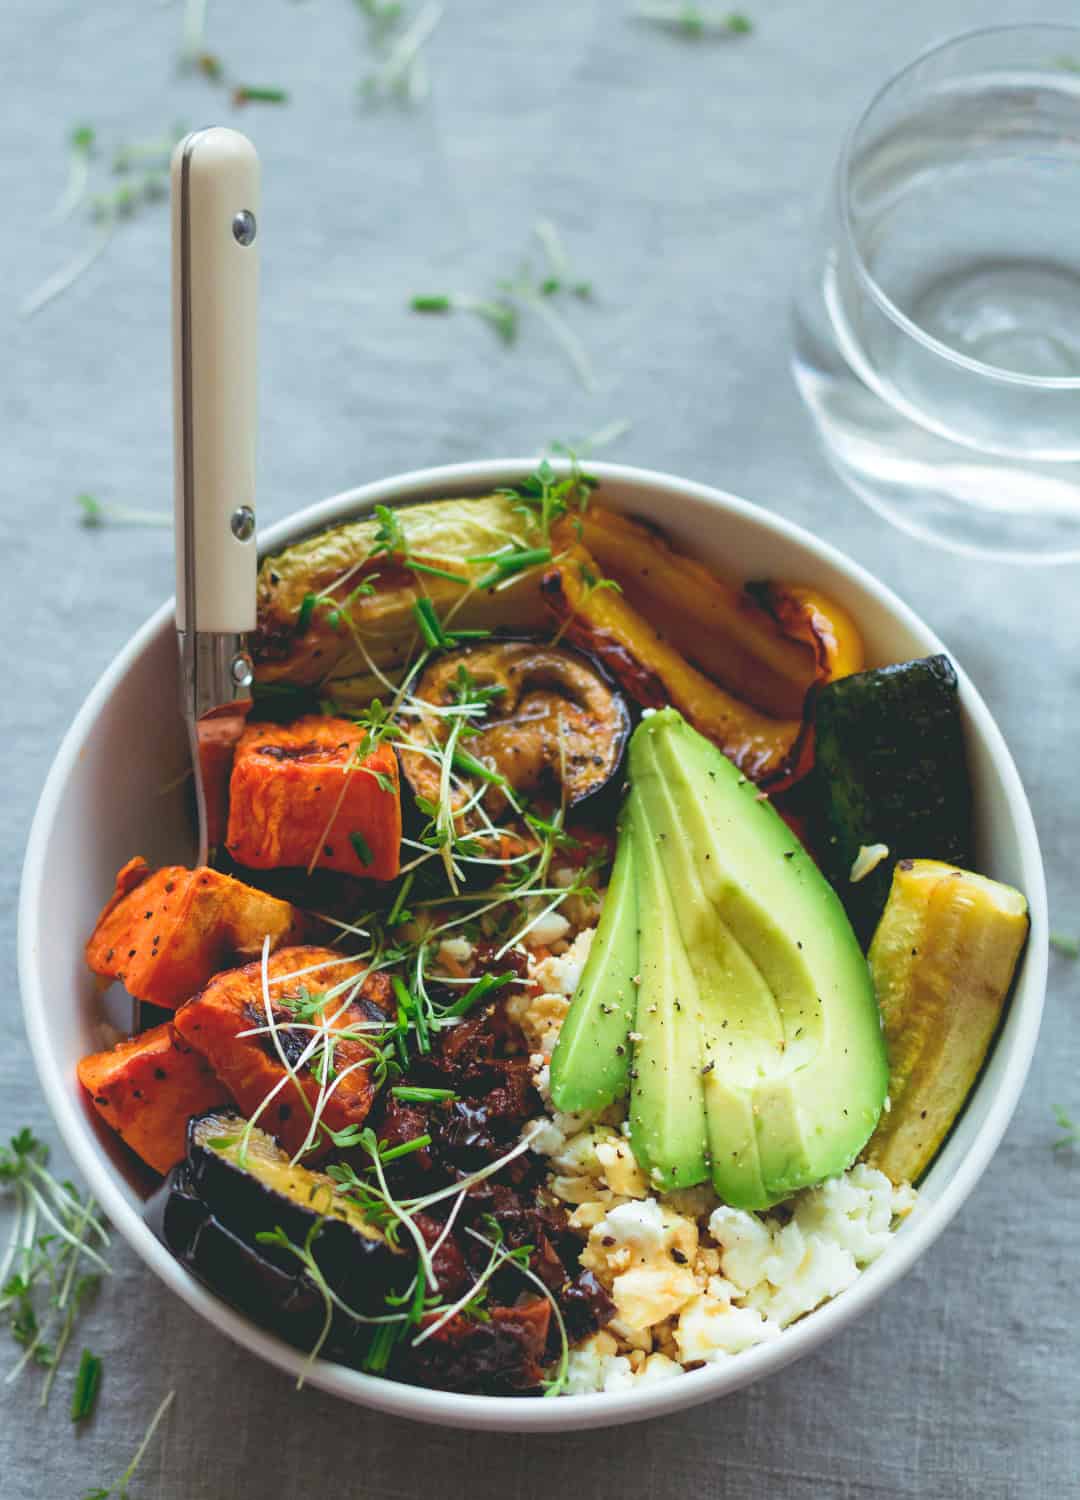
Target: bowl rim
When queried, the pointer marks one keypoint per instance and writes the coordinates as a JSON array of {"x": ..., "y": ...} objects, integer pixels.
[{"x": 596, "y": 1409}]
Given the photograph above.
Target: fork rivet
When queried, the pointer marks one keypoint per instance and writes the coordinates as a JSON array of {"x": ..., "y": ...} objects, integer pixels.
[
  {"x": 242, "y": 523},
  {"x": 242, "y": 670}
]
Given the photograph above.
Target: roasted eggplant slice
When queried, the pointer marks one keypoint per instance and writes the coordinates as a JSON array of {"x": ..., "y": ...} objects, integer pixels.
[
  {"x": 556, "y": 727},
  {"x": 254, "y": 1188},
  {"x": 214, "y": 1206},
  {"x": 283, "y": 1300}
]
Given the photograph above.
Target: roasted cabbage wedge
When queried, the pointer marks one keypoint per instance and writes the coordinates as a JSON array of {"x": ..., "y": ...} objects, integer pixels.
[{"x": 305, "y": 645}]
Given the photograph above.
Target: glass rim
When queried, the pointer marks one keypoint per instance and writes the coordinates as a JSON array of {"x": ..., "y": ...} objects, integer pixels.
[{"x": 877, "y": 293}]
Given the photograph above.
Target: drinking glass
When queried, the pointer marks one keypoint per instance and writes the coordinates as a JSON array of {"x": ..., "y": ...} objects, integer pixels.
[{"x": 937, "y": 323}]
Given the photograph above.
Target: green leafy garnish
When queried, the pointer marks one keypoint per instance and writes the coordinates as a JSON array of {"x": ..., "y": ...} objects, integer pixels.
[
  {"x": 45, "y": 1277},
  {"x": 694, "y": 20},
  {"x": 397, "y": 39},
  {"x": 246, "y": 93},
  {"x": 87, "y": 1380},
  {"x": 1071, "y": 1128},
  {"x": 530, "y": 291},
  {"x": 362, "y": 848},
  {"x": 95, "y": 513},
  {"x": 409, "y": 1095},
  {"x": 118, "y": 1488},
  {"x": 1067, "y": 946}
]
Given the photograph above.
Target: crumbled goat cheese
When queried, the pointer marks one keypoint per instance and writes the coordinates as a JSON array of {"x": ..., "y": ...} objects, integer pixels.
[{"x": 867, "y": 860}]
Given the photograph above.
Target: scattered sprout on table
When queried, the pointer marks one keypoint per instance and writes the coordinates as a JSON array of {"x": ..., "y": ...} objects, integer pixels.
[
  {"x": 397, "y": 39},
  {"x": 95, "y": 513},
  {"x": 694, "y": 20},
  {"x": 528, "y": 290}
]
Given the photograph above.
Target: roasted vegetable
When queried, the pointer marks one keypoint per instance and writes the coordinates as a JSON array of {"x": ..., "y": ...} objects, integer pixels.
[
  {"x": 251, "y": 1067},
  {"x": 890, "y": 770},
  {"x": 654, "y": 674},
  {"x": 942, "y": 961},
  {"x": 767, "y": 644},
  {"x": 164, "y": 935},
  {"x": 348, "y": 631},
  {"x": 248, "y": 1182},
  {"x": 555, "y": 727},
  {"x": 303, "y": 794},
  {"x": 284, "y": 1301},
  {"x": 147, "y": 1087}
]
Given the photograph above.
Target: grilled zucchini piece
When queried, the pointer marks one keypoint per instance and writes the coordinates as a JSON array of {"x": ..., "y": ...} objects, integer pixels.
[{"x": 890, "y": 769}]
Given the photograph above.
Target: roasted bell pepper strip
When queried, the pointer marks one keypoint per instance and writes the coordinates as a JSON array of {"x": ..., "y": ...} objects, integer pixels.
[
  {"x": 804, "y": 614},
  {"x": 719, "y": 627},
  {"x": 653, "y": 673}
]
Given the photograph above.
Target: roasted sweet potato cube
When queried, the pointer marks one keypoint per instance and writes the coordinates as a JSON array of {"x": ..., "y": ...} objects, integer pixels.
[
  {"x": 164, "y": 935},
  {"x": 301, "y": 794},
  {"x": 148, "y": 1087},
  {"x": 338, "y": 992}
]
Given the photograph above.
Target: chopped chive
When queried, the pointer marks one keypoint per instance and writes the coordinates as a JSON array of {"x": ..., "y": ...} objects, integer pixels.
[
  {"x": 508, "y": 564},
  {"x": 429, "y": 623},
  {"x": 405, "y": 1149},
  {"x": 246, "y": 94},
  {"x": 470, "y": 766},
  {"x": 411, "y": 1095},
  {"x": 362, "y": 848},
  {"x": 479, "y": 991},
  {"x": 394, "y": 915},
  {"x": 410, "y": 1005},
  {"x": 420, "y": 567},
  {"x": 431, "y": 304},
  {"x": 1068, "y": 947},
  {"x": 307, "y": 609},
  {"x": 87, "y": 1380}
]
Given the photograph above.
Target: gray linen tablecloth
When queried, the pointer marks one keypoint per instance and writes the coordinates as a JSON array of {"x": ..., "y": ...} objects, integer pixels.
[{"x": 680, "y": 175}]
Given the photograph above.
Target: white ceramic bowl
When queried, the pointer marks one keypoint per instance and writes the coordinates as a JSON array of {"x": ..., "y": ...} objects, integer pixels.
[{"x": 107, "y": 797}]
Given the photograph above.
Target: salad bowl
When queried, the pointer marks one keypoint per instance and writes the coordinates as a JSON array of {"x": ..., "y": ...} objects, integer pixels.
[{"x": 111, "y": 791}]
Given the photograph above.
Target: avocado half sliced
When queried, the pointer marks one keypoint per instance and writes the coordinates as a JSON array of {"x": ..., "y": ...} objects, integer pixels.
[{"x": 757, "y": 1051}]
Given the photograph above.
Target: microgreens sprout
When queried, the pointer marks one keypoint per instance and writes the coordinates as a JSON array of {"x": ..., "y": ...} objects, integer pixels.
[
  {"x": 500, "y": 315},
  {"x": 528, "y": 289},
  {"x": 80, "y": 150},
  {"x": 694, "y": 20},
  {"x": 543, "y": 498},
  {"x": 400, "y": 73},
  {"x": 107, "y": 209},
  {"x": 42, "y": 1275},
  {"x": 95, "y": 513},
  {"x": 1071, "y": 1137},
  {"x": 118, "y": 1488}
]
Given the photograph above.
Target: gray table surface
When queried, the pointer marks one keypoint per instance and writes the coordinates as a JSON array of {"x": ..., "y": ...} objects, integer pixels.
[{"x": 680, "y": 175}]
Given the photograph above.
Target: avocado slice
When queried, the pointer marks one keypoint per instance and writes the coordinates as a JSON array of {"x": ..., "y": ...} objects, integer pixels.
[
  {"x": 788, "y": 1072},
  {"x": 590, "y": 1067},
  {"x": 667, "y": 1106}
]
